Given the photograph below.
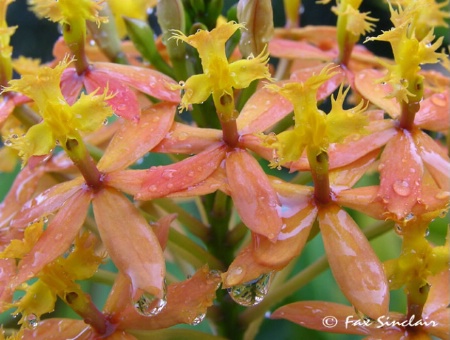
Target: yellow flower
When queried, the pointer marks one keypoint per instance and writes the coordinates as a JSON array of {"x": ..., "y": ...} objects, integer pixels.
[
  {"x": 60, "y": 121},
  {"x": 219, "y": 77},
  {"x": 313, "y": 128},
  {"x": 5, "y": 49},
  {"x": 136, "y": 9}
]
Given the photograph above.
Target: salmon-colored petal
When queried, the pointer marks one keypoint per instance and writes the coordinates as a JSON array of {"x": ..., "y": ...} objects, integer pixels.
[
  {"x": 434, "y": 113},
  {"x": 290, "y": 49},
  {"x": 435, "y": 158},
  {"x": 186, "y": 139},
  {"x": 127, "y": 181},
  {"x": 255, "y": 144},
  {"x": 263, "y": 110},
  {"x": 161, "y": 229},
  {"x": 7, "y": 106},
  {"x": 71, "y": 85},
  {"x": 243, "y": 269},
  {"x": 186, "y": 301},
  {"x": 362, "y": 199},
  {"x": 58, "y": 236},
  {"x": 348, "y": 175},
  {"x": 348, "y": 152},
  {"x": 318, "y": 35},
  {"x": 356, "y": 268},
  {"x": 368, "y": 84},
  {"x": 252, "y": 194},
  {"x": 21, "y": 190},
  {"x": 7, "y": 272},
  {"x": 60, "y": 329},
  {"x": 439, "y": 295},
  {"x": 401, "y": 171},
  {"x": 46, "y": 202},
  {"x": 163, "y": 180},
  {"x": 298, "y": 221},
  {"x": 124, "y": 102},
  {"x": 322, "y": 316},
  {"x": 130, "y": 242},
  {"x": 151, "y": 82},
  {"x": 134, "y": 139}
]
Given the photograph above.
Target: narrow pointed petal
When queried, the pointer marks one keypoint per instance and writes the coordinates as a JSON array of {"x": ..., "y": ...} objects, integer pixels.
[
  {"x": 67, "y": 329},
  {"x": 435, "y": 158},
  {"x": 433, "y": 113},
  {"x": 186, "y": 301},
  {"x": 318, "y": 315},
  {"x": 263, "y": 110},
  {"x": 127, "y": 181},
  {"x": 7, "y": 272},
  {"x": 71, "y": 85},
  {"x": 348, "y": 175},
  {"x": 134, "y": 139},
  {"x": 291, "y": 239},
  {"x": 130, "y": 242},
  {"x": 58, "y": 236},
  {"x": 368, "y": 84},
  {"x": 22, "y": 189},
  {"x": 163, "y": 180},
  {"x": 145, "y": 80},
  {"x": 124, "y": 102},
  {"x": 46, "y": 202},
  {"x": 289, "y": 49},
  {"x": 6, "y": 108},
  {"x": 161, "y": 229},
  {"x": 362, "y": 199},
  {"x": 356, "y": 268},
  {"x": 186, "y": 139},
  {"x": 252, "y": 194},
  {"x": 401, "y": 171}
]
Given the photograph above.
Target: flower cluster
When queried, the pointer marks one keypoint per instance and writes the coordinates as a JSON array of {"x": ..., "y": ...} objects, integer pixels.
[{"x": 176, "y": 179}]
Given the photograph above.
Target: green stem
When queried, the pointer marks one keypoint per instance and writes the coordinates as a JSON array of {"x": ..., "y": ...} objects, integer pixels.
[{"x": 104, "y": 277}]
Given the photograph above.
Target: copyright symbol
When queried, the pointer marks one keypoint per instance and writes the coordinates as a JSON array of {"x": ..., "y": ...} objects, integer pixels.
[{"x": 329, "y": 321}]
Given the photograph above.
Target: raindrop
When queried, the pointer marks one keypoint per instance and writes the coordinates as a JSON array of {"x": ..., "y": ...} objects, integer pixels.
[
  {"x": 199, "y": 318},
  {"x": 401, "y": 187},
  {"x": 409, "y": 217},
  {"x": 92, "y": 42},
  {"x": 105, "y": 122},
  {"x": 31, "y": 321},
  {"x": 45, "y": 219},
  {"x": 150, "y": 305},
  {"x": 251, "y": 293},
  {"x": 14, "y": 136},
  {"x": 8, "y": 142},
  {"x": 427, "y": 232},
  {"x": 398, "y": 229}
]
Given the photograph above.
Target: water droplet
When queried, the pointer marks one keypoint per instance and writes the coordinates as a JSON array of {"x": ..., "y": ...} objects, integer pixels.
[
  {"x": 251, "y": 293},
  {"x": 150, "y": 305},
  {"x": 152, "y": 188},
  {"x": 427, "y": 232},
  {"x": 442, "y": 195},
  {"x": 31, "y": 321},
  {"x": 182, "y": 136},
  {"x": 8, "y": 142},
  {"x": 14, "y": 136},
  {"x": 92, "y": 42},
  {"x": 199, "y": 318},
  {"x": 401, "y": 187},
  {"x": 105, "y": 122},
  {"x": 45, "y": 219},
  {"x": 409, "y": 217}
]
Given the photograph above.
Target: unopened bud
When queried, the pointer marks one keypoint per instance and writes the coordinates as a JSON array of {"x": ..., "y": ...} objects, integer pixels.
[
  {"x": 257, "y": 16},
  {"x": 171, "y": 17}
]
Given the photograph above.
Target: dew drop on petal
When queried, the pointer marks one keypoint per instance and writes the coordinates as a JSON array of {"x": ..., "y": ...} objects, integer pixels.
[
  {"x": 401, "y": 188},
  {"x": 251, "y": 293},
  {"x": 31, "y": 321},
  {"x": 8, "y": 142},
  {"x": 105, "y": 121},
  {"x": 398, "y": 229},
  {"x": 427, "y": 232},
  {"x": 150, "y": 305},
  {"x": 199, "y": 318}
]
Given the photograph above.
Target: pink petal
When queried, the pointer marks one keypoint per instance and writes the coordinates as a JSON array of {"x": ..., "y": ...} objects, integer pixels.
[
  {"x": 186, "y": 300},
  {"x": 22, "y": 189},
  {"x": 434, "y": 113},
  {"x": 7, "y": 272},
  {"x": 368, "y": 84},
  {"x": 7, "y": 106},
  {"x": 186, "y": 139},
  {"x": 289, "y": 49},
  {"x": 255, "y": 144},
  {"x": 362, "y": 199},
  {"x": 348, "y": 175},
  {"x": 263, "y": 110},
  {"x": 401, "y": 171},
  {"x": 435, "y": 158},
  {"x": 161, "y": 229},
  {"x": 290, "y": 241},
  {"x": 163, "y": 180},
  {"x": 60, "y": 329},
  {"x": 71, "y": 85},
  {"x": 318, "y": 315},
  {"x": 46, "y": 202},
  {"x": 356, "y": 268},
  {"x": 127, "y": 181},
  {"x": 58, "y": 236},
  {"x": 145, "y": 80},
  {"x": 252, "y": 194},
  {"x": 130, "y": 242},
  {"x": 124, "y": 103},
  {"x": 134, "y": 139}
]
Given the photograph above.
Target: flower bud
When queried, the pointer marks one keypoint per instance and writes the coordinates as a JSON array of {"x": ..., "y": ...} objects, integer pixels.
[
  {"x": 171, "y": 17},
  {"x": 257, "y": 16}
]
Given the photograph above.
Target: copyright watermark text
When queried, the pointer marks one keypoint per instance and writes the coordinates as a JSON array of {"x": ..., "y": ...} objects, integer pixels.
[{"x": 381, "y": 322}]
